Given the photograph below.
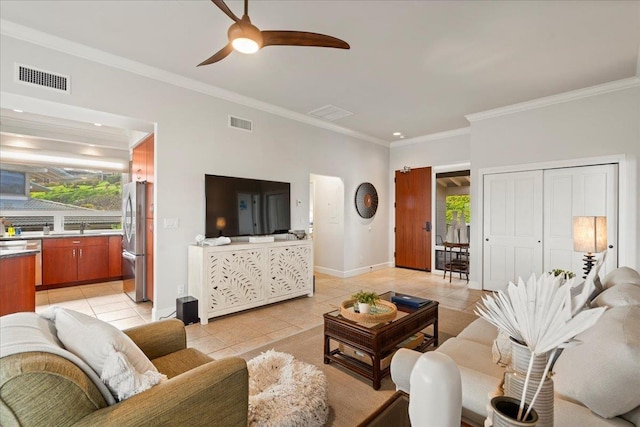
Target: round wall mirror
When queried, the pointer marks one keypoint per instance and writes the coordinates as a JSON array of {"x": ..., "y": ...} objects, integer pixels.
[{"x": 366, "y": 200}]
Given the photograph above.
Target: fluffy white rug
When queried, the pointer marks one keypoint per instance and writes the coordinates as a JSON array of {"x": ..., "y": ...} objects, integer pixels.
[{"x": 286, "y": 392}]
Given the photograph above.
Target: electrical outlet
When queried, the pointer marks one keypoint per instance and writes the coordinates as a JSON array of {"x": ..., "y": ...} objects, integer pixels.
[{"x": 180, "y": 290}]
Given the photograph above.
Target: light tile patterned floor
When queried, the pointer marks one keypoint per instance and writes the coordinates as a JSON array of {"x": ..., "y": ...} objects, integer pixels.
[{"x": 237, "y": 333}]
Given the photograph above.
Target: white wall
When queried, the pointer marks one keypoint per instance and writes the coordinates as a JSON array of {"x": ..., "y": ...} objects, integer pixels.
[
  {"x": 593, "y": 127},
  {"x": 328, "y": 224},
  {"x": 192, "y": 138}
]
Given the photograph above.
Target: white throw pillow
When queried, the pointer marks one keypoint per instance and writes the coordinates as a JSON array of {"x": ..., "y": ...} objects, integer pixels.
[
  {"x": 501, "y": 349},
  {"x": 621, "y": 275},
  {"x": 602, "y": 372},
  {"x": 618, "y": 295},
  {"x": 121, "y": 365}
]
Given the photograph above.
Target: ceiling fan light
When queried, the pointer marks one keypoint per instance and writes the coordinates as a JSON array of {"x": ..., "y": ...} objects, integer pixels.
[
  {"x": 244, "y": 36},
  {"x": 245, "y": 45}
]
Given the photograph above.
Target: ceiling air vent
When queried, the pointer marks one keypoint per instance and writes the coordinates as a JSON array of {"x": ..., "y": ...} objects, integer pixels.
[
  {"x": 242, "y": 124},
  {"x": 330, "y": 112},
  {"x": 34, "y": 76}
]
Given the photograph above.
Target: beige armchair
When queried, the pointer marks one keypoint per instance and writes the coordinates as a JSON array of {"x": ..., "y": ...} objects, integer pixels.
[{"x": 38, "y": 388}]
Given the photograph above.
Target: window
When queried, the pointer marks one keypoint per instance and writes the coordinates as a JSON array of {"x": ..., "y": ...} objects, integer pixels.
[{"x": 62, "y": 198}]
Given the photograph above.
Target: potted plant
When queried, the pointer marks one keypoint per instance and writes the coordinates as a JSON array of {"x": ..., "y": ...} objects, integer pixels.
[
  {"x": 365, "y": 300},
  {"x": 540, "y": 316},
  {"x": 566, "y": 274}
]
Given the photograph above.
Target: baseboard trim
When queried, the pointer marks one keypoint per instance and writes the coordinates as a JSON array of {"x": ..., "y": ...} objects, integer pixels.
[{"x": 354, "y": 272}]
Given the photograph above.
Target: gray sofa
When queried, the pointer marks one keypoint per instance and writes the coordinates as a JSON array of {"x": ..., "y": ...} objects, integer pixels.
[{"x": 596, "y": 383}]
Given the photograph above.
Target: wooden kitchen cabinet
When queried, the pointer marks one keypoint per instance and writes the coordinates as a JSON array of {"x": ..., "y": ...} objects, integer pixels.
[
  {"x": 115, "y": 257},
  {"x": 93, "y": 262},
  {"x": 139, "y": 163},
  {"x": 59, "y": 265},
  {"x": 17, "y": 284},
  {"x": 75, "y": 259}
]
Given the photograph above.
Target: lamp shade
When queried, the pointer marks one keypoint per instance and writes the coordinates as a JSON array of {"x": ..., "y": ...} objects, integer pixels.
[{"x": 589, "y": 233}]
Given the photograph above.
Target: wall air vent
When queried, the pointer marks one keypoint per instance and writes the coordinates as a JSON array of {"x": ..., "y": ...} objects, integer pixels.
[
  {"x": 330, "y": 112},
  {"x": 46, "y": 79},
  {"x": 242, "y": 124}
]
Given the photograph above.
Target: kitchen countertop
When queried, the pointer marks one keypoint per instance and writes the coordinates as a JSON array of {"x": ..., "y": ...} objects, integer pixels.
[
  {"x": 12, "y": 253},
  {"x": 53, "y": 235}
]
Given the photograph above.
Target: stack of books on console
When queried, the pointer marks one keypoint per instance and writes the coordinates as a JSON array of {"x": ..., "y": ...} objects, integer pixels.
[{"x": 409, "y": 301}]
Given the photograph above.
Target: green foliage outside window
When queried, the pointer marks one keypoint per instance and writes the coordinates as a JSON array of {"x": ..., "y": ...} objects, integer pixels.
[
  {"x": 458, "y": 203},
  {"x": 98, "y": 195}
]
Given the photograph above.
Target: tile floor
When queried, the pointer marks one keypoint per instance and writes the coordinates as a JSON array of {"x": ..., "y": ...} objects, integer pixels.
[{"x": 238, "y": 333}]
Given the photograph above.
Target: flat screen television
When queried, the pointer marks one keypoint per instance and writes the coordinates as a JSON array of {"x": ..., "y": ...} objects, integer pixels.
[{"x": 246, "y": 207}]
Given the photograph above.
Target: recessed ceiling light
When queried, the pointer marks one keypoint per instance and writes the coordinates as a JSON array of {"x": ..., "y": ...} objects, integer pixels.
[
  {"x": 98, "y": 124},
  {"x": 397, "y": 133},
  {"x": 401, "y": 136},
  {"x": 17, "y": 111}
]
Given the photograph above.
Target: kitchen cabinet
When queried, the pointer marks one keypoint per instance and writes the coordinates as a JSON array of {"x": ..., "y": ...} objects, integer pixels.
[
  {"x": 139, "y": 163},
  {"x": 75, "y": 259},
  {"x": 17, "y": 284},
  {"x": 115, "y": 257},
  {"x": 143, "y": 169}
]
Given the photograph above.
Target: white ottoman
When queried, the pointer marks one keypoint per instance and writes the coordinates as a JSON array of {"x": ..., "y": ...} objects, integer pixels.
[{"x": 286, "y": 392}]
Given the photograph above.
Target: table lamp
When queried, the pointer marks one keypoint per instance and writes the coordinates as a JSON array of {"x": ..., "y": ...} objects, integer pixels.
[{"x": 589, "y": 236}]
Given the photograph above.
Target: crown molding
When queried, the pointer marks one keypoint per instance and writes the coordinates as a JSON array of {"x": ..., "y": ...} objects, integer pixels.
[
  {"x": 20, "y": 32},
  {"x": 573, "y": 95},
  {"x": 432, "y": 137}
]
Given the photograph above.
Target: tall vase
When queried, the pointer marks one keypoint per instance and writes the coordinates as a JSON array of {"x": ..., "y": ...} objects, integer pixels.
[
  {"x": 516, "y": 375},
  {"x": 505, "y": 411}
]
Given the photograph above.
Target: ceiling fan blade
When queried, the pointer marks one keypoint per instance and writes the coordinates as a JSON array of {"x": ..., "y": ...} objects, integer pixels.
[
  {"x": 301, "y": 38},
  {"x": 220, "y": 55},
  {"x": 223, "y": 7}
]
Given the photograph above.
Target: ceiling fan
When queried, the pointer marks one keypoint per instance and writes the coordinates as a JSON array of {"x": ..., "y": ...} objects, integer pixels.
[{"x": 247, "y": 38}]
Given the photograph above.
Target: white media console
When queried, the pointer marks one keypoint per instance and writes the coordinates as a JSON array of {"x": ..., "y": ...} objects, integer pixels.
[{"x": 230, "y": 278}]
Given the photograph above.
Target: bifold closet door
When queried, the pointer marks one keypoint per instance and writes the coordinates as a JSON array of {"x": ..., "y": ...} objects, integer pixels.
[
  {"x": 578, "y": 191},
  {"x": 512, "y": 240}
]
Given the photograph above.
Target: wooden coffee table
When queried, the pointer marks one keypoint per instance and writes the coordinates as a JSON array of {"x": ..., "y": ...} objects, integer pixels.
[{"x": 377, "y": 341}]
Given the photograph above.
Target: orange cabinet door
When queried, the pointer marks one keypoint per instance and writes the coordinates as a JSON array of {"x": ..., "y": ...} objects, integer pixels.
[
  {"x": 115, "y": 257},
  {"x": 17, "y": 284},
  {"x": 93, "y": 262},
  {"x": 139, "y": 163},
  {"x": 59, "y": 265}
]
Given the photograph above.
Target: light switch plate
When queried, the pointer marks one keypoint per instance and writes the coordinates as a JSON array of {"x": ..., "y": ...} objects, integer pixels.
[{"x": 171, "y": 223}]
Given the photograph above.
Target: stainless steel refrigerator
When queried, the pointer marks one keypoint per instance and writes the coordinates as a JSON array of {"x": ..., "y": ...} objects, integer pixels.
[{"x": 134, "y": 209}]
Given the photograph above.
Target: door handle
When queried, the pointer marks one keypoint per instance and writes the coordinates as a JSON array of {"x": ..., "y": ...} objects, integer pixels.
[
  {"x": 427, "y": 226},
  {"x": 80, "y": 253},
  {"x": 74, "y": 253},
  {"x": 487, "y": 239}
]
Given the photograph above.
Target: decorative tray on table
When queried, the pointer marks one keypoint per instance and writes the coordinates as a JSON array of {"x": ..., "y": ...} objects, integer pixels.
[{"x": 383, "y": 311}]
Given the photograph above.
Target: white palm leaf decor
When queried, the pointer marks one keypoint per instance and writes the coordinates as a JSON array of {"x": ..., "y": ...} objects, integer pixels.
[
  {"x": 237, "y": 277},
  {"x": 542, "y": 315},
  {"x": 289, "y": 269}
]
